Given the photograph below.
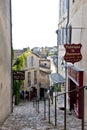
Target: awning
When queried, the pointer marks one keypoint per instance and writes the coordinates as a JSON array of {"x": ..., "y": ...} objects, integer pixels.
[{"x": 56, "y": 78}]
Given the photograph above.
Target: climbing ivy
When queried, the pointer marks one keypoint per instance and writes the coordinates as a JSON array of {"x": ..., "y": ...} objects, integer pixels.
[{"x": 19, "y": 65}]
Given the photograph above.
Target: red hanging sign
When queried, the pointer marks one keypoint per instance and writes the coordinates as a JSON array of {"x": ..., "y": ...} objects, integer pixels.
[{"x": 73, "y": 53}]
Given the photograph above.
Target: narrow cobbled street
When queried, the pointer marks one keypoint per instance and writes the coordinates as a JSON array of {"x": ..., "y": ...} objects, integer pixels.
[{"x": 25, "y": 117}]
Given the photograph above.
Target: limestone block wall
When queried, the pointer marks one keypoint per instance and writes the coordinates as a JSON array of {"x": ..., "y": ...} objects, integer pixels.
[
  {"x": 78, "y": 18},
  {"x": 5, "y": 60}
]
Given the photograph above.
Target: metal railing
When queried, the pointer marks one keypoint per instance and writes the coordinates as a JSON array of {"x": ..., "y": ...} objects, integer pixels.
[{"x": 50, "y": 111}]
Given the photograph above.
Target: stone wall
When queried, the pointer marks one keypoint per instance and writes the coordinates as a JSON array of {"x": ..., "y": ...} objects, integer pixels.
[
  {"x": 78, "y": 19},
  {"x": 5, "y": 60}
]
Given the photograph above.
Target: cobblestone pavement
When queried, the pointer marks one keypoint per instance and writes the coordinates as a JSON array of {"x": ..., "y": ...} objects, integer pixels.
[{"x": 25, "y": 117}]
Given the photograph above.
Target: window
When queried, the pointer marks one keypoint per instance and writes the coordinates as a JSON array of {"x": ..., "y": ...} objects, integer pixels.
[
  {"x": 31, "y": 62},
  {"x": 64, "y": 6},
  {"x": 29, "y": 79},
  {"x": 64, "y": 36},
  {"x": 26, "y": 62},
  {"x": 60, "y": 36},
  {"x": 35, "y": 77}
]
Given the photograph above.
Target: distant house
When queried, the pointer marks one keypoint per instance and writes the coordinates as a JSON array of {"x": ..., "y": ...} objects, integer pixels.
[
  {"x": 31, "y": 74},
  {"x": 36, "y": 80},
  {"x": 44, "y": 71},
  {"x": 36, "y": 75}
]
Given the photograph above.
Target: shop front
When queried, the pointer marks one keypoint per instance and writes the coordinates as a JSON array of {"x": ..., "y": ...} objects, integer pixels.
[{"x": 75, "y": 82}]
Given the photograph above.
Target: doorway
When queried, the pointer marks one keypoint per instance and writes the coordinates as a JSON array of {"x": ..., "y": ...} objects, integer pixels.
[
  {"x": 72, "y": 95},
  {"x": 41, "y": 93}
]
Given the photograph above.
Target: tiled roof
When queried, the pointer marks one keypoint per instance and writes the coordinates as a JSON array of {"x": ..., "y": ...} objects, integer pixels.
[{"x": 18, "y": 53}]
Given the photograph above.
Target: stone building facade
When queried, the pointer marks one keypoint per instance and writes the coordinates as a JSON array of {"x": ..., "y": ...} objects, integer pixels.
[
  {"x": 75, "y": 23},
  {"x": 37, "y": 72},
  {"x": 78, "y": 22},
  {"x": 31, "y": 72},
  {"x": 5, "y": 60}
]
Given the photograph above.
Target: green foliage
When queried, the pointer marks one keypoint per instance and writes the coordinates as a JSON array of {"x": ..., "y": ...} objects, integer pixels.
[
  {"x": 16, "y": 91},
  {"x": 50, "y": 54},
  {"x": 19, "y": 64},
  {"x": 56, "y": 87},
  {"x": 25, "y": 49}
]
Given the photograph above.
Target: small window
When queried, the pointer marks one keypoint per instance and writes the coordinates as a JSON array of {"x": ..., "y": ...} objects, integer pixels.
[
  {"x": 64, "y": 36},
  {"x": 59, "y": 36},
  {"x": 26, "y": 62},
  {"x": 35, "y": 77},
  {"x": 32, "y": 61},
  {"x": 29, "y": 79}
]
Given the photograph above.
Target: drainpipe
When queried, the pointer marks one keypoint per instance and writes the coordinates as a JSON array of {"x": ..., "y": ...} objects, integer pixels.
[
  {"x": 65, "y": 96},
  {"x": 57, "y": 49},
  {"x": 67, "y": 19},
  {"x": 11, "y": 56},
  {"x": 67, "y": 41}
]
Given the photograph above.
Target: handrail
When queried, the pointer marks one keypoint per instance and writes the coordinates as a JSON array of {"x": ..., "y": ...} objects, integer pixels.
[
  {"x": 49, "y": 106},
  {"x": 70, "y": 91}
]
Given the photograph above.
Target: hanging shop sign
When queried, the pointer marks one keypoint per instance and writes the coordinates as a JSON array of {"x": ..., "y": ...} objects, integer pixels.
[
  {"x": 73, "y": 53},
  {"x": 18, "y": 75}
]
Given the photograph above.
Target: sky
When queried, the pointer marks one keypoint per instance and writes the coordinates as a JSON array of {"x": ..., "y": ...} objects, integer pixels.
[{"x": 34, "y": 23}]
